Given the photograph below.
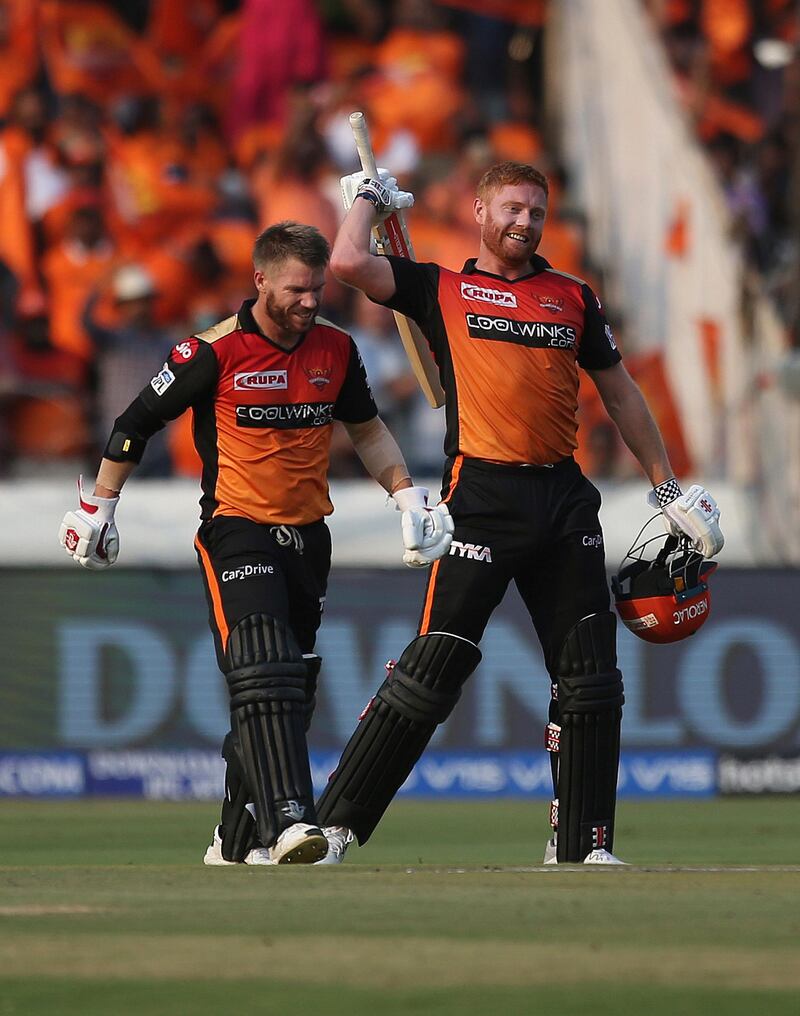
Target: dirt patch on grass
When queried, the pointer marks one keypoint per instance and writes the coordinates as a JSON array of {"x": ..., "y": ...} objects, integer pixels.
[{"x": 392, "y": 962}]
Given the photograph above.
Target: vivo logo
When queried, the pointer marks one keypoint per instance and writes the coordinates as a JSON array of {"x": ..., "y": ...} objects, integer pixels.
[{"x": 260, "y": 379}]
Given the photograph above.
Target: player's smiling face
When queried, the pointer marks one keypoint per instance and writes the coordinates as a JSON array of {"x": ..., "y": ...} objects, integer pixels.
[
  {"x": 292, "y": 293},
  {"x": 511, "y": 223}
]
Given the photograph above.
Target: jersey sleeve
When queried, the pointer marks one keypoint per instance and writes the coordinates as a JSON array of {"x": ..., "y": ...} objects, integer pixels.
[
  {"x": 355, "y": 403},
  {"x": 416, "y": 295},
  {"x": 598, "y": 348},
  {"x": 188, "y": 375}
]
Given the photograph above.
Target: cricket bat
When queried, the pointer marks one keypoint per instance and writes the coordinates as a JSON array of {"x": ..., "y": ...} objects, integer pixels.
[{"x": 392, "y": 237}]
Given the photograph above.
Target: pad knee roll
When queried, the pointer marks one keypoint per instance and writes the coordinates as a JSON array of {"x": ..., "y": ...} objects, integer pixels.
[
  {"x": 268, "y": 683},
  {"x": 419, "y": 693},
  {"x": 590, "y": 699}
]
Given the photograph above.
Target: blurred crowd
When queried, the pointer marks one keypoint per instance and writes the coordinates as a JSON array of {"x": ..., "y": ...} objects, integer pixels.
[
  {"x": 736, "y": 68},
  {"x": 145, "y": 143}
]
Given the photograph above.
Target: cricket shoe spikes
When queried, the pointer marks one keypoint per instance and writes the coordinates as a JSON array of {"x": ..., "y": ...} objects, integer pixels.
[
  {"x": 339, "y": 839},
  {"x": 299, "y": 844}
]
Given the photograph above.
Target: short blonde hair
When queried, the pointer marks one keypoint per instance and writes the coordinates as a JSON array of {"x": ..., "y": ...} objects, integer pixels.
[
  {"x": 508, "y": 174},
  {"x": 289, "y": 239}
]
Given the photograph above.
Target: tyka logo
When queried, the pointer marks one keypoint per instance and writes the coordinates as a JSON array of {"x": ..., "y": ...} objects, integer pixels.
[
  {"x": 260, "y": 379},
  {"x": 534, "y": 334},
  {"x": 471, "y": 551},
  {"x": 496, "y": 296}
]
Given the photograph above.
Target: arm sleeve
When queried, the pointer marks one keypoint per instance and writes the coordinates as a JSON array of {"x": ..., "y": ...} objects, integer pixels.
[
  {"x": 180, "y": 383},
  {"x": 188, "y": 375},
  {"x": 598, "y": 348},
  {"x": 355, "y": 403},
  {"x": 416, "y": 295}
]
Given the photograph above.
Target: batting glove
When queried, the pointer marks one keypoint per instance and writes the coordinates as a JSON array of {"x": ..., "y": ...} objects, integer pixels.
[
  {"x": 89, "y": 534},
  {"x": 694, "y": 514},
  {"x": 427, "y": 531},
  {"x": 383, "y": 193}
]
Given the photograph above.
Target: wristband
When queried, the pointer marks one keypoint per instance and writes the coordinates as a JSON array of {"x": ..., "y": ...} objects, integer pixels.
[{"x": 667, "y": 492}]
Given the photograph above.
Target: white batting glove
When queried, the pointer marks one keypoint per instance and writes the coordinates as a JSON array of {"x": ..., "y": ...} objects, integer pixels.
[
  {"x": 427, "y": 531},
  {"x": 89, "y": 534},
  {"x": 383, "y": 193},
  {"x": 694, "y": 514}
]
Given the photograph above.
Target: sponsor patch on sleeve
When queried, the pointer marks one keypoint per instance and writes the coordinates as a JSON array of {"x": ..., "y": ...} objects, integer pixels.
[
  {"x": 162, "y": 380},
  {"x": 184, "y": 351}
]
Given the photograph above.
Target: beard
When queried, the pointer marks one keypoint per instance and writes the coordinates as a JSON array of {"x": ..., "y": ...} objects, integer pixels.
[
  {"x": 492, "y": 237},
  {"x": 290, "y": 326}
]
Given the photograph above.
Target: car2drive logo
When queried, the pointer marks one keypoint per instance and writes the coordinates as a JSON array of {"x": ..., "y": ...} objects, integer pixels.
[
  {"x": 260, "y": 379},
  {"x": 495, "y": 296}
]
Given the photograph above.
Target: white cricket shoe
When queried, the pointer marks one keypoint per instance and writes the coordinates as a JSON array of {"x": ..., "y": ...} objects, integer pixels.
[
  {"x": 598, "y": 856},
  {"x": 601, "y": 857},
  {"x": 300, "y": 843},
  {"x": 339, "y": 839},
  {"x": 258, "y": 855}
]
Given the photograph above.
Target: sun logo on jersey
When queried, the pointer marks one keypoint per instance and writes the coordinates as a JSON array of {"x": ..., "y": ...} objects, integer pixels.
[
  {"x": 318, "y": 376},
  {"x": 555, "y": 304}
]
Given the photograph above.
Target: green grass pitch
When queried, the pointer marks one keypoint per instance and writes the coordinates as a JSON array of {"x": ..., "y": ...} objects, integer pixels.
[{"x": 107, "y": 910}]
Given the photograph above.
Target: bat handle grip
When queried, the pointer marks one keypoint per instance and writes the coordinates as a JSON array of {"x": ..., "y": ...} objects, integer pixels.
[{"x": 358, "y": 125}]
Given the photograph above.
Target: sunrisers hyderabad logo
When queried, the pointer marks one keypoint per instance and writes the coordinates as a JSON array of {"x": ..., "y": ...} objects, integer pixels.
[
  {"x": 555, "y": 304},
  {"x": 318, "y": 376}
]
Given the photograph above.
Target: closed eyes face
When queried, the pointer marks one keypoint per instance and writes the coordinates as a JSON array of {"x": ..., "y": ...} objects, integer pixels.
[{"x": 293, "y": 294}]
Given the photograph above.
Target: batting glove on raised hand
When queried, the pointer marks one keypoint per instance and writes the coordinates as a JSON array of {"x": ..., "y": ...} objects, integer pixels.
[
  {"x": 694, "y": 514},
  {"x": 427, "y": 531},
  {"x": 383, "y": 193},
  {"x": 89, "y": 534}
]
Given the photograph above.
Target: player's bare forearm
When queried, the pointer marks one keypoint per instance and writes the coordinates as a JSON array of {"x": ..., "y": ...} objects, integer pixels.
[
  {"x": 351, "y": 261},
  {"x": 111, "y": 477},
  {"x": 626, "y": 406},
  {"x": 380, "y": 454}
]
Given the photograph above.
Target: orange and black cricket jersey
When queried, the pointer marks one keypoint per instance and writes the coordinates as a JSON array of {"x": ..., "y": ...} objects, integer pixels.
[
  {"x": 508, "y": 354},
  {"x": 262, "y": 416}
]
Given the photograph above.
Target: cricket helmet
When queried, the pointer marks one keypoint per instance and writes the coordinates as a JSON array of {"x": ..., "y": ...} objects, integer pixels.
[{"x": 663, "y": 598}]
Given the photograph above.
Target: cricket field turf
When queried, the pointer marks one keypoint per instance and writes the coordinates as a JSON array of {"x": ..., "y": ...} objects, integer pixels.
[{"x": 107, "y": 910}]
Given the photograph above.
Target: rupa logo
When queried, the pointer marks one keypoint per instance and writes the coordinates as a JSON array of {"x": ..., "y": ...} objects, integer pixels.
[
  {"x": 471, "y": 551},
  {"x": 496, "y": 296},
  {"x": 260, "y": 379}
]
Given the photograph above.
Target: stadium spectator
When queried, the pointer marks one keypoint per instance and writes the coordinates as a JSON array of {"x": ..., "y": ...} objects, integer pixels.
[{"x": 127, "y": 348}]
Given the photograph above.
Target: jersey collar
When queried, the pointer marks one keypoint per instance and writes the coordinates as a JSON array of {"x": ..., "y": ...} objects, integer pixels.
[{"x": 538, "y": 264}]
